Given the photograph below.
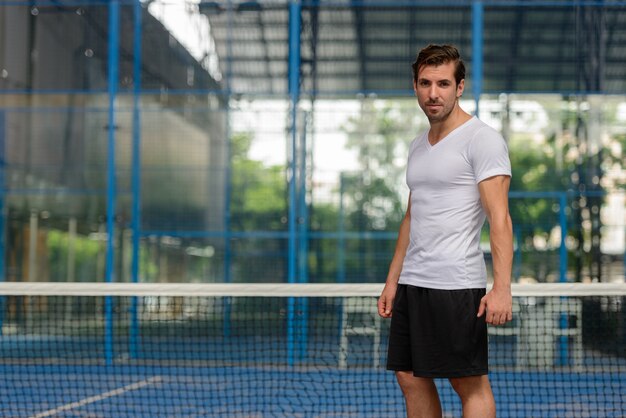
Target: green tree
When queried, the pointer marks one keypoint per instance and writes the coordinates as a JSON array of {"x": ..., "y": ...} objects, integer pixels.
[
  {"x": 258, "y": 203},
  {"x": 534, "y": 169},
  {"x": 373, "y": 196}
]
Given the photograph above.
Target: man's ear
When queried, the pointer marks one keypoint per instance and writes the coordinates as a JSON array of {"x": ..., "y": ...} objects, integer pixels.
[
  {"x": 460, "y": 88},
  {"x": 415, "y": 87}
]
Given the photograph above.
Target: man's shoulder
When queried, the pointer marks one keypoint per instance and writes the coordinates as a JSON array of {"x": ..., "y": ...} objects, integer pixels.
[
  {"x": 417, "y": 140},
  {"x": 480, "y": 126}
]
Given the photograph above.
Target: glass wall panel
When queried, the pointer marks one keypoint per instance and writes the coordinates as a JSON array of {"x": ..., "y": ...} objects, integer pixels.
[
  {"x": 50, "y": 46},
  {"x": 54, "y": 186},
  {"x": 223, "y": 190}
]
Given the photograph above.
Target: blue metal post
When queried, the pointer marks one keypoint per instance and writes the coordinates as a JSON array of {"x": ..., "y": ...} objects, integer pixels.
[
  {"x": 227, "y": 178},
  {"x": 136, "y": 177},
  {"x": 303, "y": 247},
  {"x": 114, "y": 32},
  {"x": 341, "y": 251},
  {"x": 563, "y": 319},
  {"x": 294, "y": 96},
  {"x": 563, "y": 247},
  {"x": 3, "y": 213},
  {"x": 477, "y": 52},
  {"x": 303, "y": 213}
]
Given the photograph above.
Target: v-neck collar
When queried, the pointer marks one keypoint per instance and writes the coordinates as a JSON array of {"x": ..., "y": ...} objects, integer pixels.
[{"x": 450, "y": 134}]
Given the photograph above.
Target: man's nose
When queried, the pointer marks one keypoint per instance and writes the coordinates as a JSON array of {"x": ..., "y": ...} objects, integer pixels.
[{"x": 433, "y": 93}]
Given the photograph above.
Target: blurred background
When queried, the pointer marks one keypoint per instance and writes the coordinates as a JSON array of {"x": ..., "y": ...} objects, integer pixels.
[
  {"x": 266, "y": 141},
  {"x": 195, "y": 141}
]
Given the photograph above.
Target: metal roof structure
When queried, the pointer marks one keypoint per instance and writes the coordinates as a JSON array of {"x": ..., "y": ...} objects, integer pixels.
[{"x": 350, "y": 47}]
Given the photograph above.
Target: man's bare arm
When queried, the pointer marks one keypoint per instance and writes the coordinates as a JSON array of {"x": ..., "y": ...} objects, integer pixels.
[
  {"x": 494, "y": 197},
  {"x": 385, "y": 302}
]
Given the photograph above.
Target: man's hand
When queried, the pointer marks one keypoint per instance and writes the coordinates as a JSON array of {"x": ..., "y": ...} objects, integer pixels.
[
  {"x": 385, "y": 301},
  {"x": 496, "y": 305}
]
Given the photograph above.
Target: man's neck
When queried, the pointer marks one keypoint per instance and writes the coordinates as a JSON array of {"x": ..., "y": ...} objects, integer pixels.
[{"x": 441, "y": 129}]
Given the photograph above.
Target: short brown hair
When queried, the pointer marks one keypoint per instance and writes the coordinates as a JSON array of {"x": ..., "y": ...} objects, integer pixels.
[{"x": 437, "y": 55}]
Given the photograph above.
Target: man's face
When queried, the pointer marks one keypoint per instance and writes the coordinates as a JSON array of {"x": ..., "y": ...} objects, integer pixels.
[{"x": 436, "y": 91}]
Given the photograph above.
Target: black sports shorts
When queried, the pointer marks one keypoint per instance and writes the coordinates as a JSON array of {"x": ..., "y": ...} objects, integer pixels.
[{"x": 435, "y": 333}]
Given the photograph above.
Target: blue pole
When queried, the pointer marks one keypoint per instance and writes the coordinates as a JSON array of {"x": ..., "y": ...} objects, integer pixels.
[
  {"x": 563, "y": 319},
  {"x": 3, "y": 213},
  {"x": 136, "y": 178},
  {"x": 114, "y": 31},
  {"x": 303, "y": 244},
  {"x": 227, "y": 178},
  {"x": 477, "y": 52},
  {"x": 294, "y": 95},
  {"x": 341, "y": 252},
  {"x": 563, "y": 248},
  {"x": 303, "y": 214}
]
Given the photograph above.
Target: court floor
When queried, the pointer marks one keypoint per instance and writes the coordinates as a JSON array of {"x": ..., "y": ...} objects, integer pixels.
[{"x": 140, "y": 391}]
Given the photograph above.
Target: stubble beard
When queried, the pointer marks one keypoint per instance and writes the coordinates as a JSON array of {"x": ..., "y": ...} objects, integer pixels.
[{"x": 441, "y": 116}]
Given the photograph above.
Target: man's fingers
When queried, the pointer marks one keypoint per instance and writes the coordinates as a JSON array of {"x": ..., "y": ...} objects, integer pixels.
[
  {"x": 388, "y": 305},
  {"x": 498, "y": 318},
  {"x": 482, "y": 307},
  {"x": 384, "y": 307}
]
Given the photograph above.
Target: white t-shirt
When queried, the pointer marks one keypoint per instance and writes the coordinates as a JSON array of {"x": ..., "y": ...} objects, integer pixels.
[{"x": 446, "y": 212}]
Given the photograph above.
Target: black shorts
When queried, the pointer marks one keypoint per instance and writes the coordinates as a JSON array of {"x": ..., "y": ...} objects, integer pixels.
[{"x": 435, "y": 333}]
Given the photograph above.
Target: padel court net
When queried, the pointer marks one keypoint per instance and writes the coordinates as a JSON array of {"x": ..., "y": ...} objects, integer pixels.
[{"x": 268, "y": 350}]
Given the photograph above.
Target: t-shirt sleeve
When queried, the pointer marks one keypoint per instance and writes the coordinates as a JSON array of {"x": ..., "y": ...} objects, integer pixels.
[
  {"x": 414, "y": 143},
  {"x": 489, "y": 155}
]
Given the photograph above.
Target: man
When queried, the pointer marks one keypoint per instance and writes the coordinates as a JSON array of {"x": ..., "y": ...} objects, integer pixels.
[{"x": 458, "y": 173}]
